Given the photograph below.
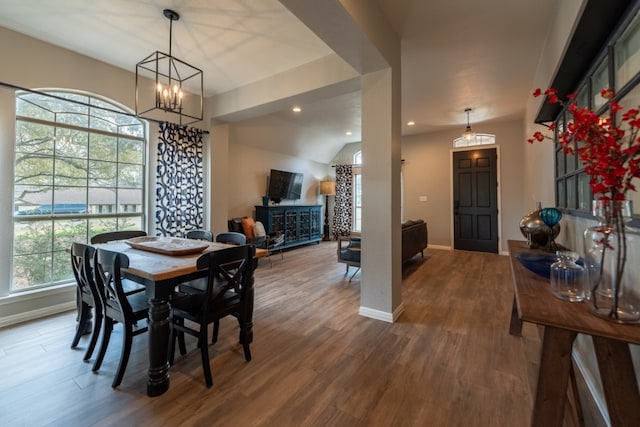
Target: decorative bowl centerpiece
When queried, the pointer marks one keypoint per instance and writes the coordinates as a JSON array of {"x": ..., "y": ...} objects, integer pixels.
[{"x": 540, "y": 263}]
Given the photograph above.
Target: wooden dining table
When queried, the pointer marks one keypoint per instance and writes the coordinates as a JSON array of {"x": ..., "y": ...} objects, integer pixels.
[{"x": 160, "y": 273}]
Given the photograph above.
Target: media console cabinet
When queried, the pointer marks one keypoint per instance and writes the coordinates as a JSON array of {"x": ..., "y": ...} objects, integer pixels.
[{"x": 300, "y": 224}]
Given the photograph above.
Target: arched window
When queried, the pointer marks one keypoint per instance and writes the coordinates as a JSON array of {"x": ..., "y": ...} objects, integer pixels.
[
  {"x": 79, "y": 171},
  {"x": 477, "y": 139}
]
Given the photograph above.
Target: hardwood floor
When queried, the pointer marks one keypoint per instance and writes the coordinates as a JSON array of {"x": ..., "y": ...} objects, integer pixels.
[{"x": 448, "y": 361}]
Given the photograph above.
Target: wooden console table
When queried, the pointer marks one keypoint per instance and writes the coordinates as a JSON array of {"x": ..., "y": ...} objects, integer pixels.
[{"x": 562, "y": 321}]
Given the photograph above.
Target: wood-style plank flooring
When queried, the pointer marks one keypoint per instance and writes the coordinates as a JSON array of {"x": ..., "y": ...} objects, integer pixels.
[{"x": 448, "y": 361}]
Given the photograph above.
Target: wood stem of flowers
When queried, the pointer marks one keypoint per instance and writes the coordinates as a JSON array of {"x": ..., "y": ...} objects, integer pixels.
[
  {"x": 614, "y": 222},
  {"x": 621, "y": 261}
]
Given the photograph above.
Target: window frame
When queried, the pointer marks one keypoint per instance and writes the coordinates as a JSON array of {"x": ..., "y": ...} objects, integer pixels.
[
  {"x": 98, "y": 111},
  {"x": 356, "y": 203},
  {"x": 569, "y": 176}
]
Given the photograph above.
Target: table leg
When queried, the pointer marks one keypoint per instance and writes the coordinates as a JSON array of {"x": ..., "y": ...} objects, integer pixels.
[
  {"x": 159, "y": 333},
  {"x": 515, "y": 325},
  {"x": 249, "y": 315},
  {"x": 553, "y": 377},
  {"x": 618, "y": 380}
]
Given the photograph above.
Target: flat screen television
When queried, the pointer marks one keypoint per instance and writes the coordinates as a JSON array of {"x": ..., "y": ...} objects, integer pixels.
[{"x": 284, "y": 185}]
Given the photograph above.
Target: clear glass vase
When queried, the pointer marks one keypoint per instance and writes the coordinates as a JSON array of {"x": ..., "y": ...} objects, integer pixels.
[
  {"x": 567, "y": 277},
  {"x": 610, "y": 249}
]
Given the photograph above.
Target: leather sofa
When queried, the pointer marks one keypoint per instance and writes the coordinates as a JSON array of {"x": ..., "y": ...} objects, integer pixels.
[{"x": 415, "y": 237}]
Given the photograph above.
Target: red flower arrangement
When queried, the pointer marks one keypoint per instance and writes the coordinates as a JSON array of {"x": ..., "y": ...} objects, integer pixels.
[
  {"x": 609, "y": 152},
  {"x": 609, "y": 149}
]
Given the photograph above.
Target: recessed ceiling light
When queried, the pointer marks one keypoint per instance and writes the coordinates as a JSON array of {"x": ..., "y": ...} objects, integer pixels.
[
  {"x": 296, "y": 109},
  {"x": 411, "y": 123},
  {"x": 348, "y": 133}
]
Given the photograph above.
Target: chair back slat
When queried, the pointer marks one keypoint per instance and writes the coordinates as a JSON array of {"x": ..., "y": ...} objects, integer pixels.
[
  {"x": 205, "y": 235},
  {"x": 117, "y": 235},
  {"x": 231, "y": 237},
  {"x": 229, "y": 269},
  {"x": 107, "y": 268},
  {"x": 81, "y": 265}
]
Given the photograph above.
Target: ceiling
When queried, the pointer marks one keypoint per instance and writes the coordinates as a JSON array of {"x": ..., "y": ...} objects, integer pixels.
[{"x": 456, "y": 54}]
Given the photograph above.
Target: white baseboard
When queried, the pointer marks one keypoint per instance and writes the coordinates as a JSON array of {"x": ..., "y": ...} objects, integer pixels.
[
  {"x": 36, "y": 314},
  {"x": 593, "y": 390},
  {"x": 382, "y": 315},
  {"x": 444, "y": 248}
]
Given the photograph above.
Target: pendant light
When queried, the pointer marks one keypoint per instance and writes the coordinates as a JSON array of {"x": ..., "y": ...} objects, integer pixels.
[
  {"x": 167, "y": 88},
  {"x": 468, "y": 134}
]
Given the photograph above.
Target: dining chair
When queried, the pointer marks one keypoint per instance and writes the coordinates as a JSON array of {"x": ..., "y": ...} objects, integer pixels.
[
  {"x": 229, "y": 292},
  {"x": 110, "y": 236},
  {"x": 87, "y": 296},
  {"x": 196, "y": 285},
  {"x": 205, "y": 235},
  {"x": 117, "y": 307},
  {"x": 231, "y": 237}
]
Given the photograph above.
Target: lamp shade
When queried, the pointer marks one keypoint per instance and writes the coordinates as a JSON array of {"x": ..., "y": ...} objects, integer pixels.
[{"x": 327, "y": 188}]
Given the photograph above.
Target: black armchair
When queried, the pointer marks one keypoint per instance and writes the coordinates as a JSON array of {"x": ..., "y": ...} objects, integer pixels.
[{"x": 349, "y": 253}]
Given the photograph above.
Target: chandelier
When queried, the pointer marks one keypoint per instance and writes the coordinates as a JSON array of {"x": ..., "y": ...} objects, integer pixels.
[{"x": 167, "y": 88}]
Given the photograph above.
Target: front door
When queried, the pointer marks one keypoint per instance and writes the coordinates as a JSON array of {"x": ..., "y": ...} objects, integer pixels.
[{"x": 475, "y": 200}]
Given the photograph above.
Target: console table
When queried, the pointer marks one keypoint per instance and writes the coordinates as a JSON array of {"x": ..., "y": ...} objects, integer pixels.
[
  {"x": 562, "y": 321},
  {"x": 300, "y": 224}
]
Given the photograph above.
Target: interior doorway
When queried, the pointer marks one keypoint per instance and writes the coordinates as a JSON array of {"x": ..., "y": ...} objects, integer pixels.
[{"x": 475, "y": 200}]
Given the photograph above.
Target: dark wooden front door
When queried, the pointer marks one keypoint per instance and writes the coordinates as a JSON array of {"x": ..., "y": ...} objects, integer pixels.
[{"x": 475, "y": 200}]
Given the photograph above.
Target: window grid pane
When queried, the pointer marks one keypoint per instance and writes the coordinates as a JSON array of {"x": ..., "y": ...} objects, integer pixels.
[{"x": 72, "y": 162}]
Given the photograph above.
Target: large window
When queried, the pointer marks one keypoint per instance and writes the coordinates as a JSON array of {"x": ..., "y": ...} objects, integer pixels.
[
  {"x": 357, "y": 192},
  {"x": 79, "y": 171},
  {"x": 618, "y": 67}
]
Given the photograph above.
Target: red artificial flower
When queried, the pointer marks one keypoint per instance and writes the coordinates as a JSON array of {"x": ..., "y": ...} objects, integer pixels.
[{"x": 609, "y": 150}]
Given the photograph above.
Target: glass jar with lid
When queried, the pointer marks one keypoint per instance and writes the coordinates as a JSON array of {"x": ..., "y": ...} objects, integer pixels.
[{"x": 568, "y": 278}]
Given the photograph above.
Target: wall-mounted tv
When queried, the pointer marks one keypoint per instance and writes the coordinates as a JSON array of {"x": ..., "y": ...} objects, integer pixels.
[{"x": 284, "y": 185}]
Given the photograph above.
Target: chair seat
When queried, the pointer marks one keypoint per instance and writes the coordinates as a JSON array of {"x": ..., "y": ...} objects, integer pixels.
[
  {"x": 186, "y": 304},
  {"x": 350, "y": 255},
  {"x": 139, "y": 305},
  {"x": 193, "y": 286}
]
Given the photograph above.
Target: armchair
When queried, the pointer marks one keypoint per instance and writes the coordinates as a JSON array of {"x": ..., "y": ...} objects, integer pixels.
[
  {"x": 257, "y": 236},
  {"x": 349, "y": 252}
]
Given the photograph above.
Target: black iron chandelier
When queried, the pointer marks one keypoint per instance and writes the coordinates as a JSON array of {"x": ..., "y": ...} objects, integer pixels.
[{"x": 167, "y": 88}]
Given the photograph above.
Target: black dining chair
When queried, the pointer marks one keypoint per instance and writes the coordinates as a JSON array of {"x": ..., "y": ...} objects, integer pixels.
[
  {"x": 229, "y": 292},
  {"x": 232, "y": 237},
  {"x": 205, "y": 235},
  {"x": 117, "y": 307},
  {"x": 196, "y": 285},
  {"x": 111, "y": 236},
  {"x": 87, "y": 297}
]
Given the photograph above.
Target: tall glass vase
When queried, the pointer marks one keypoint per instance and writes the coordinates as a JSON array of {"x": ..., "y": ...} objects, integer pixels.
[{"x": 610, "y": 250}]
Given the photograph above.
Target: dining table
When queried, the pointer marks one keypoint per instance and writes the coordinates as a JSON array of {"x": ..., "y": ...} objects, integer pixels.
[{"x": 160, "y": 264}]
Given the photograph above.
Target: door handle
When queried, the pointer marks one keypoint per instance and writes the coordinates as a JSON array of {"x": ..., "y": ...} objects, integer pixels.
[{"x": 456, "y": 205}]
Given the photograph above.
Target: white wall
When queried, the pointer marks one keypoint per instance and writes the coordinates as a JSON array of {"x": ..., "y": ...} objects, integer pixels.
[
  {"x": 248, "y": 178},
  {"x": 427, "y": 170}
]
